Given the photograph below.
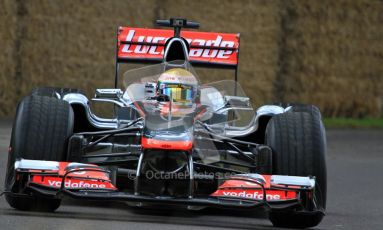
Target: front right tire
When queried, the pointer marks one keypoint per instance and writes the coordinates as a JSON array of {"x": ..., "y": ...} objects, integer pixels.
[{"x": 298, "y": 142}]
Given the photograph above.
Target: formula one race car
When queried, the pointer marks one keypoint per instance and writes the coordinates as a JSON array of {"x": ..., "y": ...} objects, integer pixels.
[{"x": 172, "y": 141}]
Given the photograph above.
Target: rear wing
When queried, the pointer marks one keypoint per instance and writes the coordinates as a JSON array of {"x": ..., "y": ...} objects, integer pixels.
[
  {"x": 206, "y": 48},
  {"x": 137, "y": 44}
]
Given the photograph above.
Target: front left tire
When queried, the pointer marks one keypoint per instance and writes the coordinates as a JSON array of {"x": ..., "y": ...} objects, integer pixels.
[{"x": 40, "y": 131}]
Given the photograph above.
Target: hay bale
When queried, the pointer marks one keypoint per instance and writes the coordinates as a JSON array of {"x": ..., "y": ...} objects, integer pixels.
[
  {"x": 327, "y": 53},
  {"x": 8, "y": 82},
  {"x": 333, "y": 56}
]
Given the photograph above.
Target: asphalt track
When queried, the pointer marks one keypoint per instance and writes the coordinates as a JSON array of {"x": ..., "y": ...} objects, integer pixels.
[{"x": 355, "y": 201}]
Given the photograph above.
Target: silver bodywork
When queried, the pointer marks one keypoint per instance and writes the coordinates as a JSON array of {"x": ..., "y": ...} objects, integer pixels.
[{"x": 122, "y": 100}]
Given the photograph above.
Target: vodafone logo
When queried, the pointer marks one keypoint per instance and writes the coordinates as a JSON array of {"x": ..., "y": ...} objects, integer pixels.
[
  {"x": 80, "y": 184},
  {"x": 214, "y": 51},
  {"x": 253, "y": 195}
]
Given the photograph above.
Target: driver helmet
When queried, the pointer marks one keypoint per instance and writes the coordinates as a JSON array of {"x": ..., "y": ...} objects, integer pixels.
[{"x": 178, "y": 84}]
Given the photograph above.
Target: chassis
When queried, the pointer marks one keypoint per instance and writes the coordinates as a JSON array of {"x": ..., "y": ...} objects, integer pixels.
[{"x": 195, "y": 165}]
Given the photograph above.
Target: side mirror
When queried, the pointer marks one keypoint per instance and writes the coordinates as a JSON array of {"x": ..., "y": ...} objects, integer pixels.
[
  {"x": 237, "y": 101},
  {"x": 108, "y": 93}
]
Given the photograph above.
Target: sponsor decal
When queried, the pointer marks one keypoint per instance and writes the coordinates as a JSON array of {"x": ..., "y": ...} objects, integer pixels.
[
  {"x": 205, "y": 47},
  {"x": 254, "y": 195},
  {"x": 72, "y": 183},
  {"x": 271, "y": 195},
  {"x": 79, "y": 184},
  {"x": 250, "y": 190}
]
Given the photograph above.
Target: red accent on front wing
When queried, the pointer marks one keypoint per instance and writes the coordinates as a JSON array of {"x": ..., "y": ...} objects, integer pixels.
[
  {"x": 72, "y": 183},
  {"x": 271, "y": 195},
  {"x": 232, "y": 182},
  {"x": 77, "y": 179},
  {"x": 79, "y": 174},
  {"x": 148, "y": 143},
  {"x": 82, "y": 174},
  {"x": 247, "y": 189}
]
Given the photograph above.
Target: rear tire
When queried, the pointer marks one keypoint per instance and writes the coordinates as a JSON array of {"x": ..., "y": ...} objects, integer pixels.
[
  {"x": 40, "y": 131},
  {"x": 298, "y": 143}
]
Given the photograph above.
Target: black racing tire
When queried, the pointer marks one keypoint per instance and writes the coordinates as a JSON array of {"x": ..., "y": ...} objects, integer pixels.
[
  {"x": 295, "y": 107},
  {"x": 312, "y": 109},
  {"x": 40, "y": 131},
  {"x": 298, "y": 143},
  {"x": 54, "y": 91}
]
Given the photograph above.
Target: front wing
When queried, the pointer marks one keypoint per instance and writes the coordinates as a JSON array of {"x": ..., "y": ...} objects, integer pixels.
[{"x": 241, "y": 191}]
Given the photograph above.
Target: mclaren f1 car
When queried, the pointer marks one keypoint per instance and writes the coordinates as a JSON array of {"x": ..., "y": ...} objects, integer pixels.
[{"x": 172, "y": 141}]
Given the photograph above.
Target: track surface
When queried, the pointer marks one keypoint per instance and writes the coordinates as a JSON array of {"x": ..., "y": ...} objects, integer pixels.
[{"x": 355, "y": 201}]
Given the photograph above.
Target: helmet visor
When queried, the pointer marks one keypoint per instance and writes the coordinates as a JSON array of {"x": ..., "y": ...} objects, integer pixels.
[{"x": 178, "y": 92}]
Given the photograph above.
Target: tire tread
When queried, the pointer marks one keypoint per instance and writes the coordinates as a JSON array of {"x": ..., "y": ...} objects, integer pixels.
[
  {"x": 40, "y": 132},
  {"x": 297, "y": 140}
]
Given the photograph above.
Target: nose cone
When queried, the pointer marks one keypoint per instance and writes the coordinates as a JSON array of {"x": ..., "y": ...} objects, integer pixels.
[
  {"x": 160, "y": 133},
  {"x": 151, "y": 143}
]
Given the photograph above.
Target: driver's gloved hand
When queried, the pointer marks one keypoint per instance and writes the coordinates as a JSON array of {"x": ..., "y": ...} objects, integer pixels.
[{"x": 163, "y": 98}]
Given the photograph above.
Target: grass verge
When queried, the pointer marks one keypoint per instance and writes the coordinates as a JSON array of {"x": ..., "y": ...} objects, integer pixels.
[{"x": 353, "y": 123}]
